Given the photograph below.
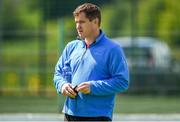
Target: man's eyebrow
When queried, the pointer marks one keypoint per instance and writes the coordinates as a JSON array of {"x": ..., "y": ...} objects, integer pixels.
[{"x": 79, "y": 21}]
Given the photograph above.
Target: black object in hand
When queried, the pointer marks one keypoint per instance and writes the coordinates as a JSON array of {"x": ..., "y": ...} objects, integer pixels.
[{"x": 75, "y": 89}]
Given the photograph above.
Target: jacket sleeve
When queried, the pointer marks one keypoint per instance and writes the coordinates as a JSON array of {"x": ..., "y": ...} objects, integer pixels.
[
  {"x": 119, "y": 80},
  {"x": 59, "y": 79}
]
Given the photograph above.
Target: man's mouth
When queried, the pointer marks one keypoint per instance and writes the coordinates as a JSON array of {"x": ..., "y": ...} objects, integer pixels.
[{"x": 80, "y": 31}]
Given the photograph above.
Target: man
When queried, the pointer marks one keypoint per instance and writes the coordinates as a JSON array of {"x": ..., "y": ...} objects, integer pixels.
[{"x": 91, "y": 70}]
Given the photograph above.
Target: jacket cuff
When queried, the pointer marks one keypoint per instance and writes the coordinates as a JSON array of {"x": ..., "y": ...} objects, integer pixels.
[{"x": 59, "y": 86}]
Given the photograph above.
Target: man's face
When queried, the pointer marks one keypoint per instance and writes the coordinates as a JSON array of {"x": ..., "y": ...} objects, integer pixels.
[{"x": 84, "y": 26}]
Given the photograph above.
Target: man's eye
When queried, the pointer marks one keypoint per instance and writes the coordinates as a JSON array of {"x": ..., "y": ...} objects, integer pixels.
[{"x": 81, "y": 22}]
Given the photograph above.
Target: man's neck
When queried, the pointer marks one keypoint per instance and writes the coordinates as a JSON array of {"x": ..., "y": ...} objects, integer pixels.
[{"x": 92, "y": 39}]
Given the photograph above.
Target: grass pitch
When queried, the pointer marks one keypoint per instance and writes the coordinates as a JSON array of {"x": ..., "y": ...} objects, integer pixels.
[{"x": 123, "y": 104}]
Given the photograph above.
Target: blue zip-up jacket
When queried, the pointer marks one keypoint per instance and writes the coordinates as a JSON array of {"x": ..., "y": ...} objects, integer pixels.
[{"x": 103, "y": 64}]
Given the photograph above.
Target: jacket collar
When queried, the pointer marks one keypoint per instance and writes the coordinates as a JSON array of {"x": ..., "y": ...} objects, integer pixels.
[
  {"x": 98, "y": 39},
  {"x": 101, "y": 35}
]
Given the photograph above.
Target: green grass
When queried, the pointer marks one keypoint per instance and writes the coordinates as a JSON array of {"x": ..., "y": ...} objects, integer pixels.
[
  {"x": 31, "y": 104},
  {"x": 147, "y": 104},
  {"x": 124, "y": 104}
]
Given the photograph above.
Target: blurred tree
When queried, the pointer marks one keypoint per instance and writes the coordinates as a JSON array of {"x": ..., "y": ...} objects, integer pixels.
[
  {"x": 159, "y": 18},
  {"x": 18, "y": 20},
  {"x": 153, "y": 17},
  {"x": 120, "y": 20},
  {"x": 59, "y": 8},
  {"x": 169, "y": 22}
]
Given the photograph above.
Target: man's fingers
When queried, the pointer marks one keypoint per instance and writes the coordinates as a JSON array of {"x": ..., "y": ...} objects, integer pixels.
[
  {"x": 84, "y": 88},
  {"x": 67, "y": 90},
  {"x": 71, "y": 91},
  {"x": 86, "y": 91},
  {"x": 81, "y": 87}
]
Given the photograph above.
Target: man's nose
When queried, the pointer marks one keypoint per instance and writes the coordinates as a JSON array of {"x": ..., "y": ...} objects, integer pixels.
[{"x": 78, "y": 26}]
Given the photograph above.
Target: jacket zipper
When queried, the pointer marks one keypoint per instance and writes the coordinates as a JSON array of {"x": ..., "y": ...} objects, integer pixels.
[
  {"x": 80, "y": 61},
  {"x": 83, "y": 54}
]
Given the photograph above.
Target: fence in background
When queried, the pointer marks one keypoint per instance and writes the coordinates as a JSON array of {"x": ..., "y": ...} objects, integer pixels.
[{"x": 28, "y": 58}]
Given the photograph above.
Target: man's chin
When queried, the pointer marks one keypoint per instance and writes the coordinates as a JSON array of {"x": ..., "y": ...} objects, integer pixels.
[{"x": 82, "y": 37}]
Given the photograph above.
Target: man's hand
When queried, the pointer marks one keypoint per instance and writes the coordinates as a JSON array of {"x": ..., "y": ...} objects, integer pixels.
[
  {"x": 84, "y": 88},
  {"x": 67, "y": 90}
]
